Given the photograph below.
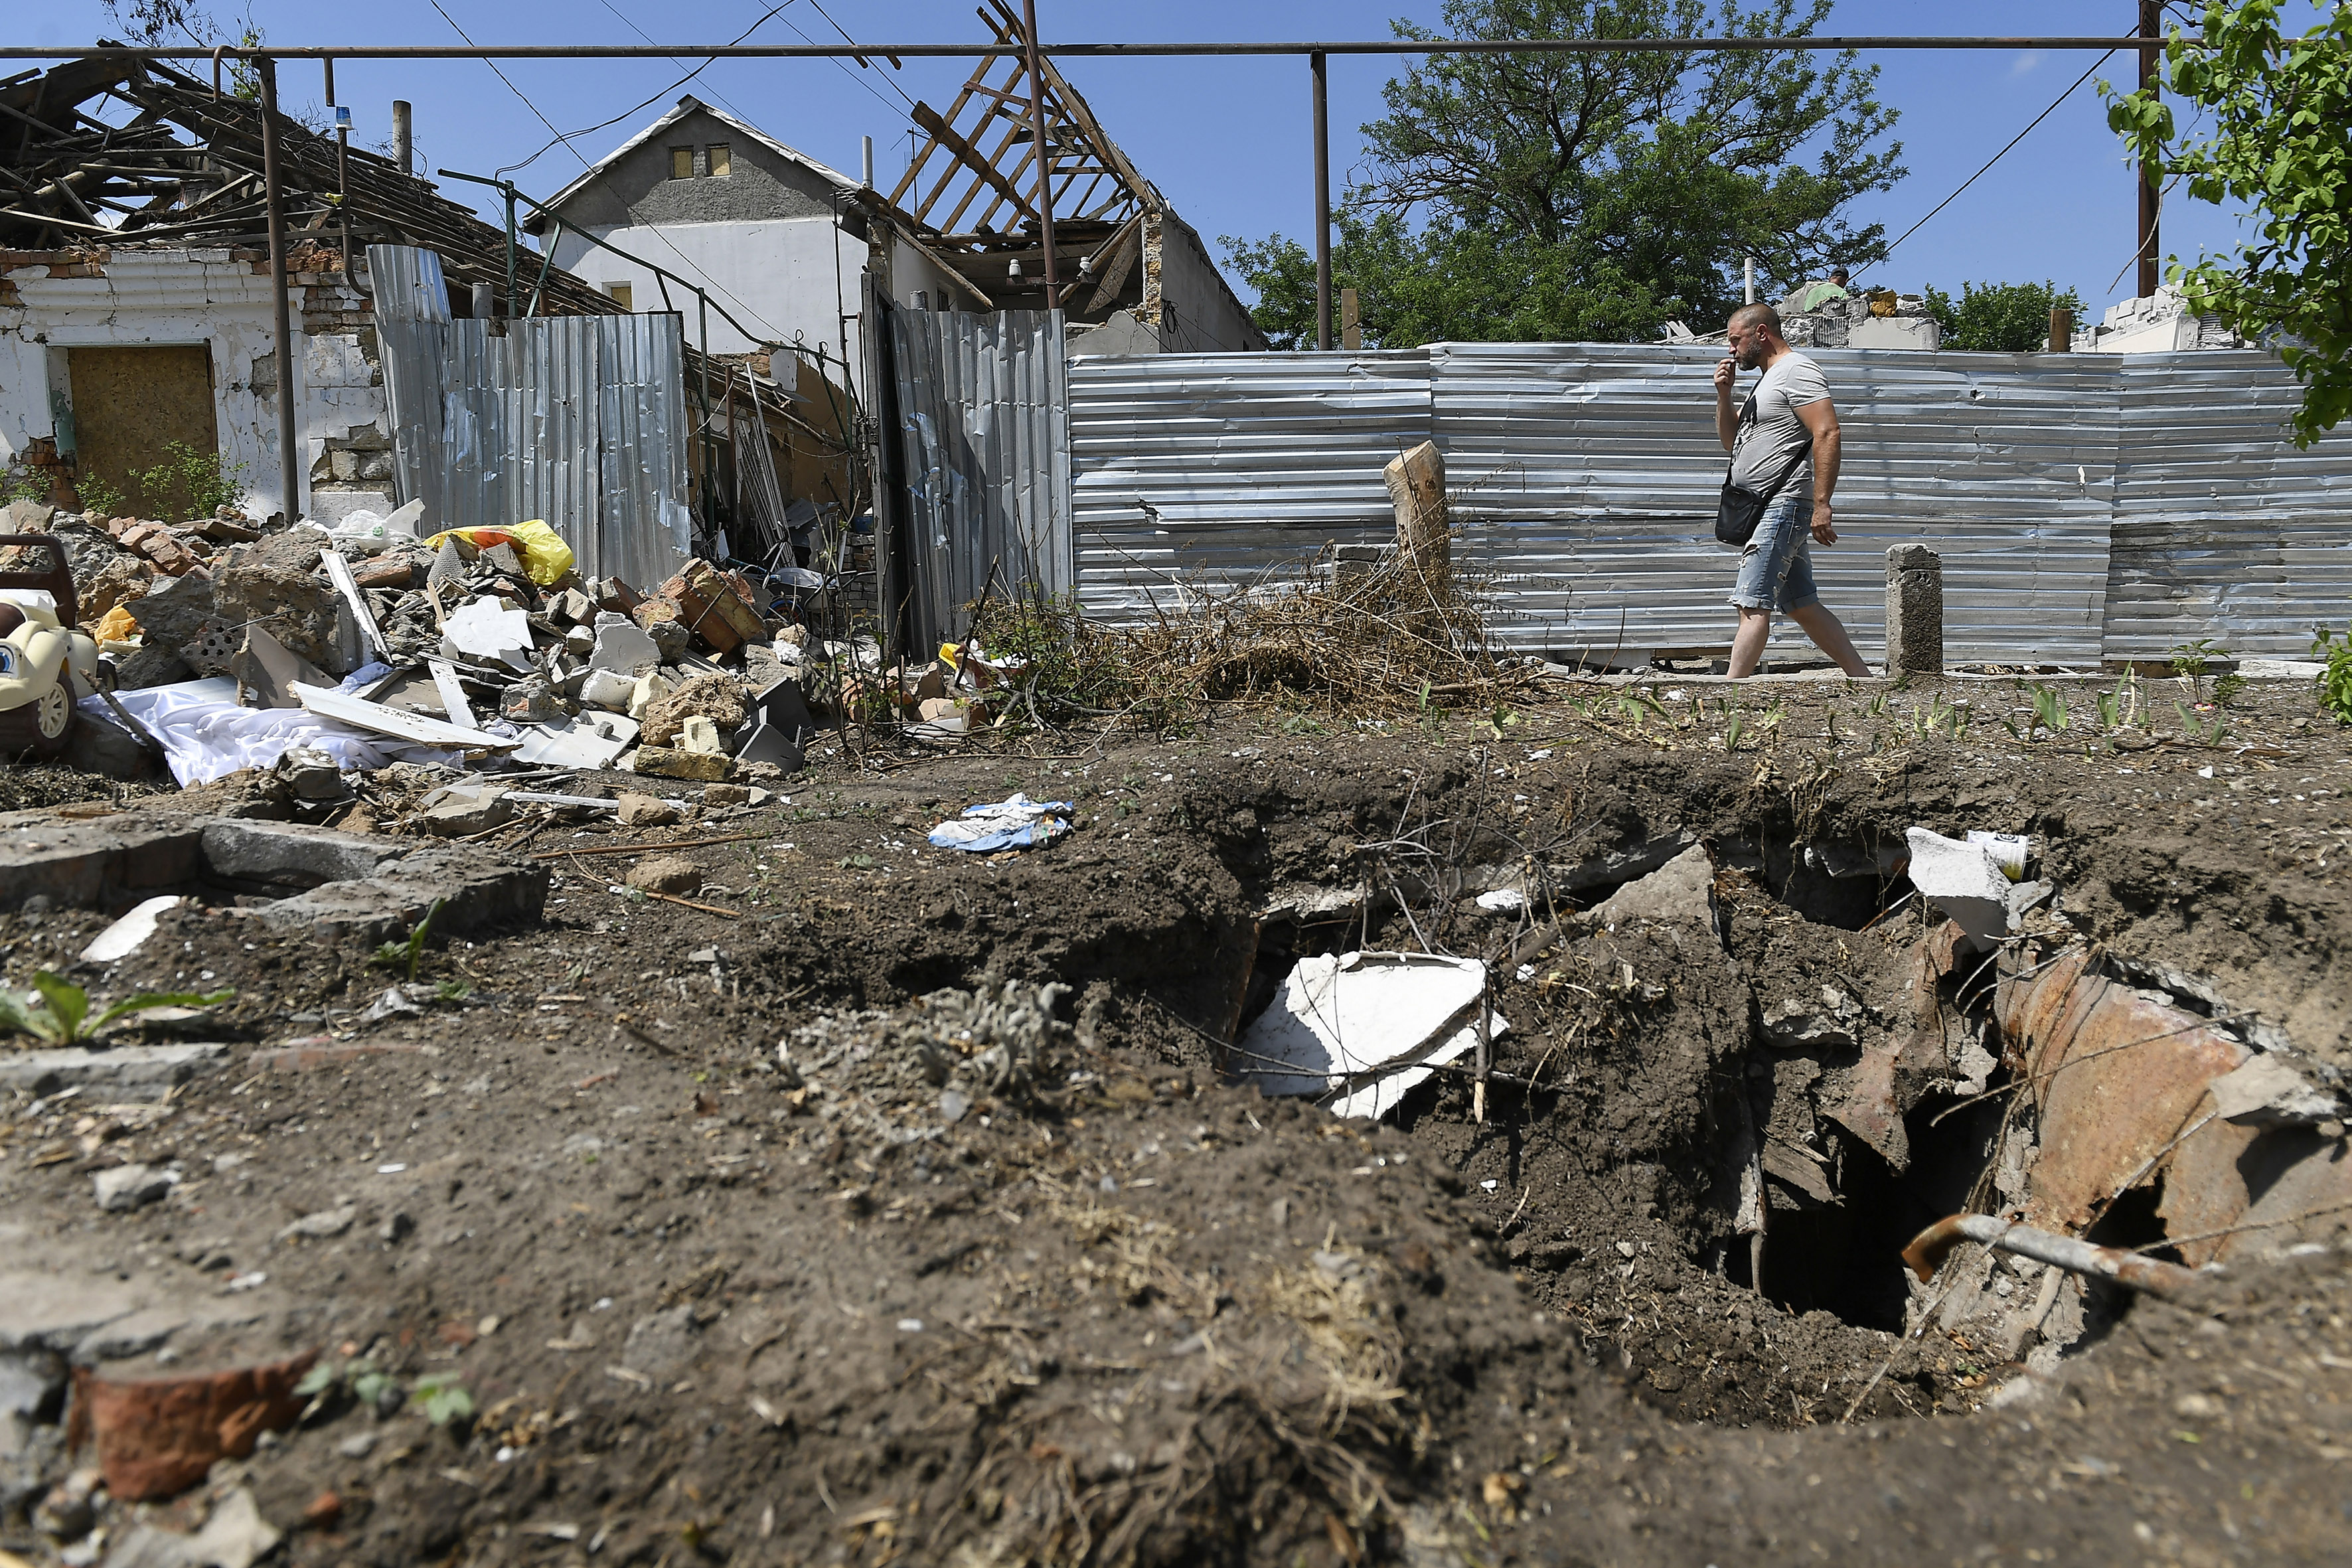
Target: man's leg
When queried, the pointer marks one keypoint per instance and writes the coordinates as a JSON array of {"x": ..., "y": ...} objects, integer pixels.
[
  {"x": 1748, "y": 643},
  {"x": 1827, "y": 632}
]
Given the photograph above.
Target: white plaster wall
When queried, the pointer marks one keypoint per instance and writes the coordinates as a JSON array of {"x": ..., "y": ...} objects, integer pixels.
[
  {"x": 159, "y": 298},
  {"x": 795, "y": 277}
]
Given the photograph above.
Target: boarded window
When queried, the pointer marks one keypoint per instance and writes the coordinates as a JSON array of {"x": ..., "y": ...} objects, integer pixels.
[
  {"x": 139, "y": 415},
  {"x": 681, "y": 163},
  {"x": 624, "y": 293},
  {"x": 720, "y": 165}
]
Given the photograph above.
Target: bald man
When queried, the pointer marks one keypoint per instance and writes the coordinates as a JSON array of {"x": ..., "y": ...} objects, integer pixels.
[{"x": 1792, "y": 400}]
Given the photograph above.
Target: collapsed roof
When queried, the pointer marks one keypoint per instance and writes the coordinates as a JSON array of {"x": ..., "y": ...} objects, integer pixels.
[
  {"x": 185, "y": 171},
  {"x": 971, "y": 189}
]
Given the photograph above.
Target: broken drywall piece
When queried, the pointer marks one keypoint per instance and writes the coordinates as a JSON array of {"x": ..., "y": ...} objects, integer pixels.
[
  {"x": 608, "y": 689},
  {"x": 268, "y": 671},
  {"x": 1359, "y": 1029},
  {"x": 1962, "y": 882},
  {"x": 591, "y": 741},
  {"x": 2266, "y": 1093},
  {"x": 623, "y": 646},
  {"x": 328, "y": 703},
  {"x": 453, "y": 694},
  {"x": 489, "y": 628},
  {"x": 123, "y": 937}
]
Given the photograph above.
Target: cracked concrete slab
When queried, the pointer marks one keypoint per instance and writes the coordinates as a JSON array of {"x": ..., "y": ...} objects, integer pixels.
[{"x": 338, "y": 885}]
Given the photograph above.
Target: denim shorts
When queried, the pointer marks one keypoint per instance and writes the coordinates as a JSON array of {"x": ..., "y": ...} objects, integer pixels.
[{"x": 1776, "y": 569}]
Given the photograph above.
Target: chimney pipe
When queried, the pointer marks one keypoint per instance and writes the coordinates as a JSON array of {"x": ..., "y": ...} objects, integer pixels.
[
  {"x": 400, "y": 136},
  {"x": 869, "y": 162}
]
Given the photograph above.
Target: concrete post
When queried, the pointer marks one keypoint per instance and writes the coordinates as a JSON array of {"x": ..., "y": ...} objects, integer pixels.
[{"x": 1914, "y": 611}]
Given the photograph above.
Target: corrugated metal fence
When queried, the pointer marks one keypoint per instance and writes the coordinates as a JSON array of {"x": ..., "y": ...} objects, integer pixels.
[
  {"x": 983, "y": 472},
  {"x": 2086, "y": 506},
  {"x": 582, "y": 421}
]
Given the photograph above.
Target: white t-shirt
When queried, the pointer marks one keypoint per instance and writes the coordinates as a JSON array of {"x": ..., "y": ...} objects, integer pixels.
[{"x": 1770, "y": 428}]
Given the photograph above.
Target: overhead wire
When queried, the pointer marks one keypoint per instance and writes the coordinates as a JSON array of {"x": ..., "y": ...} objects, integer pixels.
[
  {"x": 1997, "y": 157},
  {"x": 561, "y": 136},
  {"x": 715, "y": 287}
]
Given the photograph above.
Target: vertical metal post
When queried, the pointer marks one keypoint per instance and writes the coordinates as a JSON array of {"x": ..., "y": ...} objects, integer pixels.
[
  {"x": 290, "y": 457},
  {"x": 403, "y": 137},
  {"x": 342, "y": 167},
  {"x": 1042, "y": 148},
  {"x": 510, "y": 252},
  {"x": 2151, "y": 28},
  {"x": 1322, "y": 206}
]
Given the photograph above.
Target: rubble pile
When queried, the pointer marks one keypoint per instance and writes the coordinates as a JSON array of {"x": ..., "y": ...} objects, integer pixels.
[{"x": 484, "y": 643}]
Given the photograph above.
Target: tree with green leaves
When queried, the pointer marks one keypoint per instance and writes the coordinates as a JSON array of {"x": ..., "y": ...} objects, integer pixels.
[
  {"x": 2270, "y": 132},
  {"x": 1594, "y": 196},
  {"x": 2000, "y": 317}
]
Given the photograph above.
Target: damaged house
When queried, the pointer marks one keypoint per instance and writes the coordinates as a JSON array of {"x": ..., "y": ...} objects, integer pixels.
[
  {"x": 138, "y": 370},
  {"x": 789, "y": 243}
]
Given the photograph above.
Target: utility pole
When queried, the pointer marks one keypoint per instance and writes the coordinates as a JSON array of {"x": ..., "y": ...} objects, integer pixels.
[
  {"x": 289, "y": 458},
  {"x": 2151, "y": 31},
  {"x": 1322, "y": 206},
  {"x": 1042, "y": 151}
]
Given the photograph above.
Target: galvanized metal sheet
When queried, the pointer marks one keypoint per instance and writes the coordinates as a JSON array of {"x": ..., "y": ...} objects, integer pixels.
[
  {"x": 579, "y": 421},
  {"x": 1585, "y": 478},
  {"x": 1214, "y": 472},
  {"x": 2224, "y": 529},
  {"x": 987, "y": 456},
  {"x": 2087, "y": 507}
]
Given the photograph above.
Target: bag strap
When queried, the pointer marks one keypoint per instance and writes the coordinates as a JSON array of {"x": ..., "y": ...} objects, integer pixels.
[{"x": 1797, "y": 451}]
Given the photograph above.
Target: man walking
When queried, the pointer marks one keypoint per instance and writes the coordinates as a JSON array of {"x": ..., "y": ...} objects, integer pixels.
[{"x": 1790, "y": 403}]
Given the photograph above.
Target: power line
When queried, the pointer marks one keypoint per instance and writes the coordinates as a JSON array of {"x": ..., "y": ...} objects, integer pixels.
[
  {"x": 657, "y": 97},
  {"x": 1997, "y": 157},
  {"x": 847, "y": 39},
  {"x": 716, "y": 286}
]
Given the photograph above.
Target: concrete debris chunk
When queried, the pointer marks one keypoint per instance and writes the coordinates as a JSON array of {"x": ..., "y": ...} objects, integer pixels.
[
  {"x": 645, "y": 811},
  {"x": 463, "y": 810},
  {"x": 1962, "y": 882},
  {"x": 323, "y": 1225},
  {"x": 665, "y": 873},
  {"x": 126, "y": 1187},
  {"x": 2267, "y": 1092},
  {"x": 608, "y": 689},
  {"x": 1681, "y": 889},
  {"x": 123, "y": 1072},
  {"x": 703, "y": 767},
  {"x": 718, "y": 698},
  {"x": 698, "y": 733},
  {"x": 622, "y": 646}
]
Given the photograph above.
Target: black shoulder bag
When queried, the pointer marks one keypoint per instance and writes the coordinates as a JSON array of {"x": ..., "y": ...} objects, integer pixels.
[{"x": 1739, "y": 511}]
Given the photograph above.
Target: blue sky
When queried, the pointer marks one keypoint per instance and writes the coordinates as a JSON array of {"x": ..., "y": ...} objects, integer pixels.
[{"x": 1229, "y": 140}]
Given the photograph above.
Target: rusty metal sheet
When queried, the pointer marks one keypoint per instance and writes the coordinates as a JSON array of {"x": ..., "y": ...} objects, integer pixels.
[{"x": 2117, "y": 1079}]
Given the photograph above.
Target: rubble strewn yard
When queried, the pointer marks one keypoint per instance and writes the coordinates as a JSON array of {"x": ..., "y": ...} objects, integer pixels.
[{"x": 726, "y": 1171}]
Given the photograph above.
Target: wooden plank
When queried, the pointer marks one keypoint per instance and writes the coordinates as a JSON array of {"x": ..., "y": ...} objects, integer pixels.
[{"x": 965, "y": 153}]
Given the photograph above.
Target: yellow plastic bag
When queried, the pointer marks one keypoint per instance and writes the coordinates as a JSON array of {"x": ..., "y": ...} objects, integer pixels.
[
  {"x": 545, "y": 556},
  {"x": 118, "y": 624}
]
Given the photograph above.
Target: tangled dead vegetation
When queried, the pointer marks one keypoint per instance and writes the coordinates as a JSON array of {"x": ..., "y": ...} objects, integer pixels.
[{"x": 1389, "y": 640}]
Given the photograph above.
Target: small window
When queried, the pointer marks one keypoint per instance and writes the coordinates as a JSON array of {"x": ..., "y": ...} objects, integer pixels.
[
  {"x": 624, "y": 294},
  {"x": 720, "y": 167},
  {"x": 681, "y": 163}
]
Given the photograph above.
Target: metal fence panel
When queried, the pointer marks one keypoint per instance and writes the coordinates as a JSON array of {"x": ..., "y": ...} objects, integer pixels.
[
  {"x": 580, "y": 421},
  {"x": 1212, "y": 472},
  {"x": 2224, "y": 529},
  {"x": 987, "y": 456},
  {"x": 1584, "y": 479}
]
